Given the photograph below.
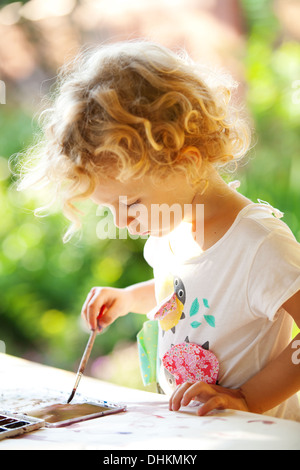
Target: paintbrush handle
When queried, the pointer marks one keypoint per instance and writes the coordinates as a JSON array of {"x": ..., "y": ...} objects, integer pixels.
[
  {"x": 87, "y": 352},
  {"x": 90, "y": 343},
  {"x": 83, "y": 362}
]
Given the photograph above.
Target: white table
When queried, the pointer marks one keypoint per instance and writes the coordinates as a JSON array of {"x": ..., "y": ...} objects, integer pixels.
[{"x": 147, "y": 424}]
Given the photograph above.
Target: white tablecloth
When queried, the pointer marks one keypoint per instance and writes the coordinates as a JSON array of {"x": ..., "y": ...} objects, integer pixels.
[{"x": 147, "y": 424}]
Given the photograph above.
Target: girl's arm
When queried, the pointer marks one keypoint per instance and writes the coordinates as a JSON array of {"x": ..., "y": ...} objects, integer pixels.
[
  {"x": 279, "y": 380},
  {"x": 143, "y": 296}
]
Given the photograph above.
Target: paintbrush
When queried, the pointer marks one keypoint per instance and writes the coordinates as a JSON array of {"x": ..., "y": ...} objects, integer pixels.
[
  {"x": 83, "y": 362},
  {"x": 86, "y": 356}
]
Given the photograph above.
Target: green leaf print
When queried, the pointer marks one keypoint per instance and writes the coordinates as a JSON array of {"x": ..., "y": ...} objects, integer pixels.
[
  {"x": 194, "y": 307},
  {"x": 195, "y": 324},
  {"x": 205, "y": 303},
  {"x": 210, "y": 320}
]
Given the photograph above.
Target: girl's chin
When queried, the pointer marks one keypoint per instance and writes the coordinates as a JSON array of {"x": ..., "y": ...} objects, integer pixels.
[
  {"x": 139, "y": 234},
  {"x": 159, "y": 233}
]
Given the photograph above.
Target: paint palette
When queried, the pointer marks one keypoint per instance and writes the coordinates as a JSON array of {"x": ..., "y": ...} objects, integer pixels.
[
  {"x": 59, "y": 415},
  {"x": 14, "y": 424}
]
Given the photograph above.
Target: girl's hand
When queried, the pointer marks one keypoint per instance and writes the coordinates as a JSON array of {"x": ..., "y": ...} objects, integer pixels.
[
  {"x": 111, "y": 302},
  {"x": 214, "y": 397}
]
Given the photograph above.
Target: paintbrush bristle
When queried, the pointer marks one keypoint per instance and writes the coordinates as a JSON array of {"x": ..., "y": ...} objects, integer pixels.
[{"x": 72, "y": 395}]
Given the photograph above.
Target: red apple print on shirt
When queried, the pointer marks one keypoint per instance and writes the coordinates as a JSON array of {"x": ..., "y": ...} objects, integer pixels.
[{"x": 189, "y": 362}]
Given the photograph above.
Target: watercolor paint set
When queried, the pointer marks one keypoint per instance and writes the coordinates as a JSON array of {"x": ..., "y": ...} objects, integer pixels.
[
  {"x": 54, "y": 416},
  {"x": 59, "y": 415},
  {"x": 14, "y": 424}
]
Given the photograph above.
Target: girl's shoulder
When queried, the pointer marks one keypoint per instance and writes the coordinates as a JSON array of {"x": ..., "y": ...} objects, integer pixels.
[{"x": 266, "y": 217}]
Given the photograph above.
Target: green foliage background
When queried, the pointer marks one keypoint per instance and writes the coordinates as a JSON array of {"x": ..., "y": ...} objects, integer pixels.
[{"x": 43, "y": 283}]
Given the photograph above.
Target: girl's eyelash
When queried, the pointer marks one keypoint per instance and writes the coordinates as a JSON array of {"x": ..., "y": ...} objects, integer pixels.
[{"x": 134, "y": 203}]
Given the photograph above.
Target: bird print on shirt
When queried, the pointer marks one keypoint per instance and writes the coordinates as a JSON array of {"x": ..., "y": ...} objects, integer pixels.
[{"x": 171, "y": 311}]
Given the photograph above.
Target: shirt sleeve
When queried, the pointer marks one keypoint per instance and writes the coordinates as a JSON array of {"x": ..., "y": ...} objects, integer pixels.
[{"x": 274, "y": 275}]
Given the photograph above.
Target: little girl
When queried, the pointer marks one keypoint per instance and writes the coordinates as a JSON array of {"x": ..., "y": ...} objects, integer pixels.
[{"x": 134, "y": 126}]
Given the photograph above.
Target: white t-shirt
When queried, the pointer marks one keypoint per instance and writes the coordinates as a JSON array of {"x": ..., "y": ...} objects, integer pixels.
[{"x": 232, "y": 295}]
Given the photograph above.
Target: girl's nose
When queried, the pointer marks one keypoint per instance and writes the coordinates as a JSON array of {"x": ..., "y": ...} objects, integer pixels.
[{"x": 121, "y": 218}]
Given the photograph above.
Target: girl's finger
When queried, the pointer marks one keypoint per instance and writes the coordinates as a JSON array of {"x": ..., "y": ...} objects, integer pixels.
[
  {"x": 218, "y": 402},
  {"x": 94, "y": 305},
  {"x": 200, "y": 391},
  {"x": 107, "y": 317},
  {"x": 175, "y": 400},
  {"x": 84, "y": 307}
]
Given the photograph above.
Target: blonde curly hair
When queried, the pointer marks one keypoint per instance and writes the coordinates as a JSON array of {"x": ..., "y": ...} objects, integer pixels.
[{"x": 129, "y": 109}]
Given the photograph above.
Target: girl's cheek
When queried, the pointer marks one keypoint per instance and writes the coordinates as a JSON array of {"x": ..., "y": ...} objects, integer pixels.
[{"x": 120, "y": 217}]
